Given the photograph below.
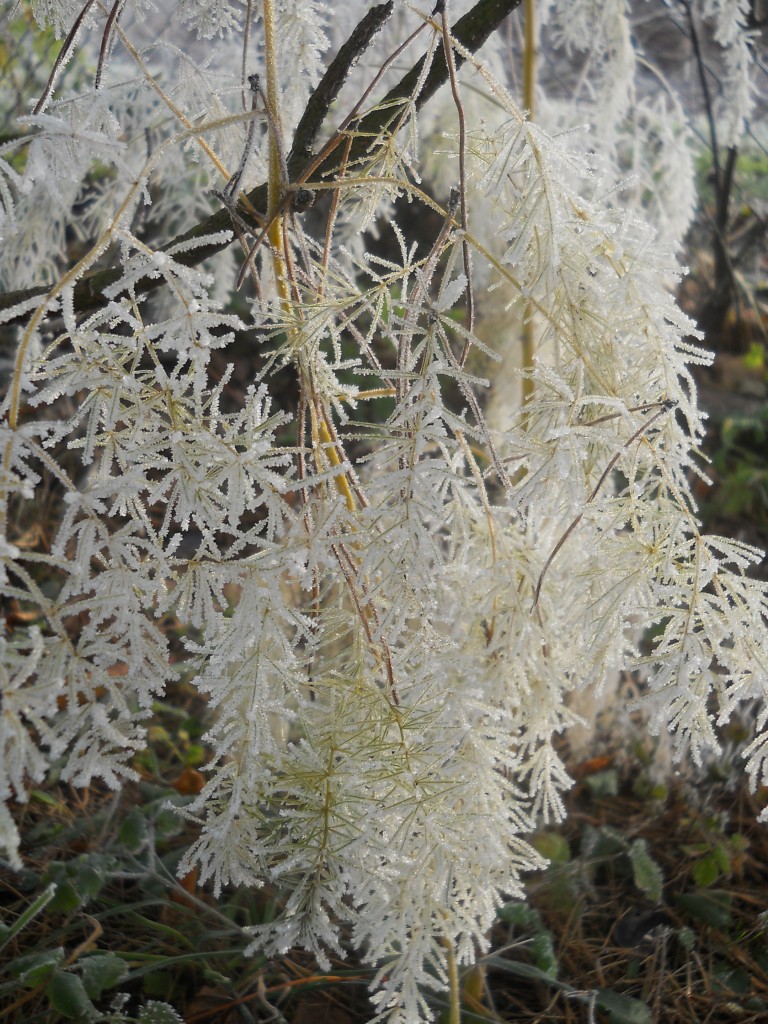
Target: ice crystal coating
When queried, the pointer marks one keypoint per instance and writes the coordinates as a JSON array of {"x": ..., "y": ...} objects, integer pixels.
[{"x": 389, "y": 598}]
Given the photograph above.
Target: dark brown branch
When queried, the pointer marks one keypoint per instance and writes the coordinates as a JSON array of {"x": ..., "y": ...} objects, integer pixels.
[
  {"x": 471, "y": 32},
  {"x": 329, "y": 86},
  {"x": 112, "y": 20}
]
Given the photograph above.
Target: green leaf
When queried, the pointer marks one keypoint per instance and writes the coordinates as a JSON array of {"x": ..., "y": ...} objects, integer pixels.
[
  {"x": 722, "y": 857},
  {"x": 33, "y": 969},
  {"x": 712, "y": 908},
  {"x": 553, "y": 846},
  {"x": 623, "y": 1009},
  {"x": 133, "y": 831},
  {"x": 603, "y": 783},
  {"x": 66, "y": 899},
  {"x": 646, "y": 872},
  {"x": 102, "y": 971},
  {"x": 733, "y": 979},
  {"x": 167, "y": 823},
  {"x": 66, "y": 994},
  {"x": 603, "y": 843},
  {"x": 196, "y": 755},
  {"x": 541, "y": 946},
  {"x": 543, "y": 951},
  {"x": 516, "y": 913},
  {"x": 44, "y": 798},
  {"x": 705, "y": 871},
  {"x": 88, "y": 880},
  {"x": 754, "y": 359}
]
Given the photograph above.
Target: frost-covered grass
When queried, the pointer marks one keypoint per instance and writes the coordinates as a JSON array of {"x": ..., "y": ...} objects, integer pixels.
[{"x": 651, "y": 909}]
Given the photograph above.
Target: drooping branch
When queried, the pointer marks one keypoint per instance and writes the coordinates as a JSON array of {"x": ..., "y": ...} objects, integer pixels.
[{"x": 470, "y": 31}]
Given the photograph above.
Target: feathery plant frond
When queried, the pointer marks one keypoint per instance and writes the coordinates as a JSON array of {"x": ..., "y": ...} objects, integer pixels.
[{"x": 418, "y": 590}]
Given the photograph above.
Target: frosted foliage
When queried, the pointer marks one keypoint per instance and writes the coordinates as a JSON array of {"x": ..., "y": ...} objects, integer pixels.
[
  {"x": 387, "y": 601},
  {"x": 730, "y": 19},
  {"x": 211, "y": 17},
  {"x": 638, "y": 123},
  {"x": 302, "y": 30},
  {"x": 601, "y": 34},
  {"x": 59, "y": 14}
]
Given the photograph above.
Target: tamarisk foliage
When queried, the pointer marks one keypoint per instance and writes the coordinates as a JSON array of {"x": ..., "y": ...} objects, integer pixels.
[{"x": 387, "y": 597}]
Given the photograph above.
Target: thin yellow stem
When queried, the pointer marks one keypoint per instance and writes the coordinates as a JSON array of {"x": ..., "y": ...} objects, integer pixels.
[
  {"x": 529, "y": 58},
  {"x": 340, "y": 479},
  {"x": 375, "y": 393},
  {"x": 273, "y": 101},
  {"x": 275, "y": 183},
  {"x": 454, "y": 989},
  {"x": 529, "y": 102}
]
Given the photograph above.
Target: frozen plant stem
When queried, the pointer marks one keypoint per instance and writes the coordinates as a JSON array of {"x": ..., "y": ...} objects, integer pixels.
[
  {"x": 275, "y": 181},
  {"x": 529, "y": 104}
]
